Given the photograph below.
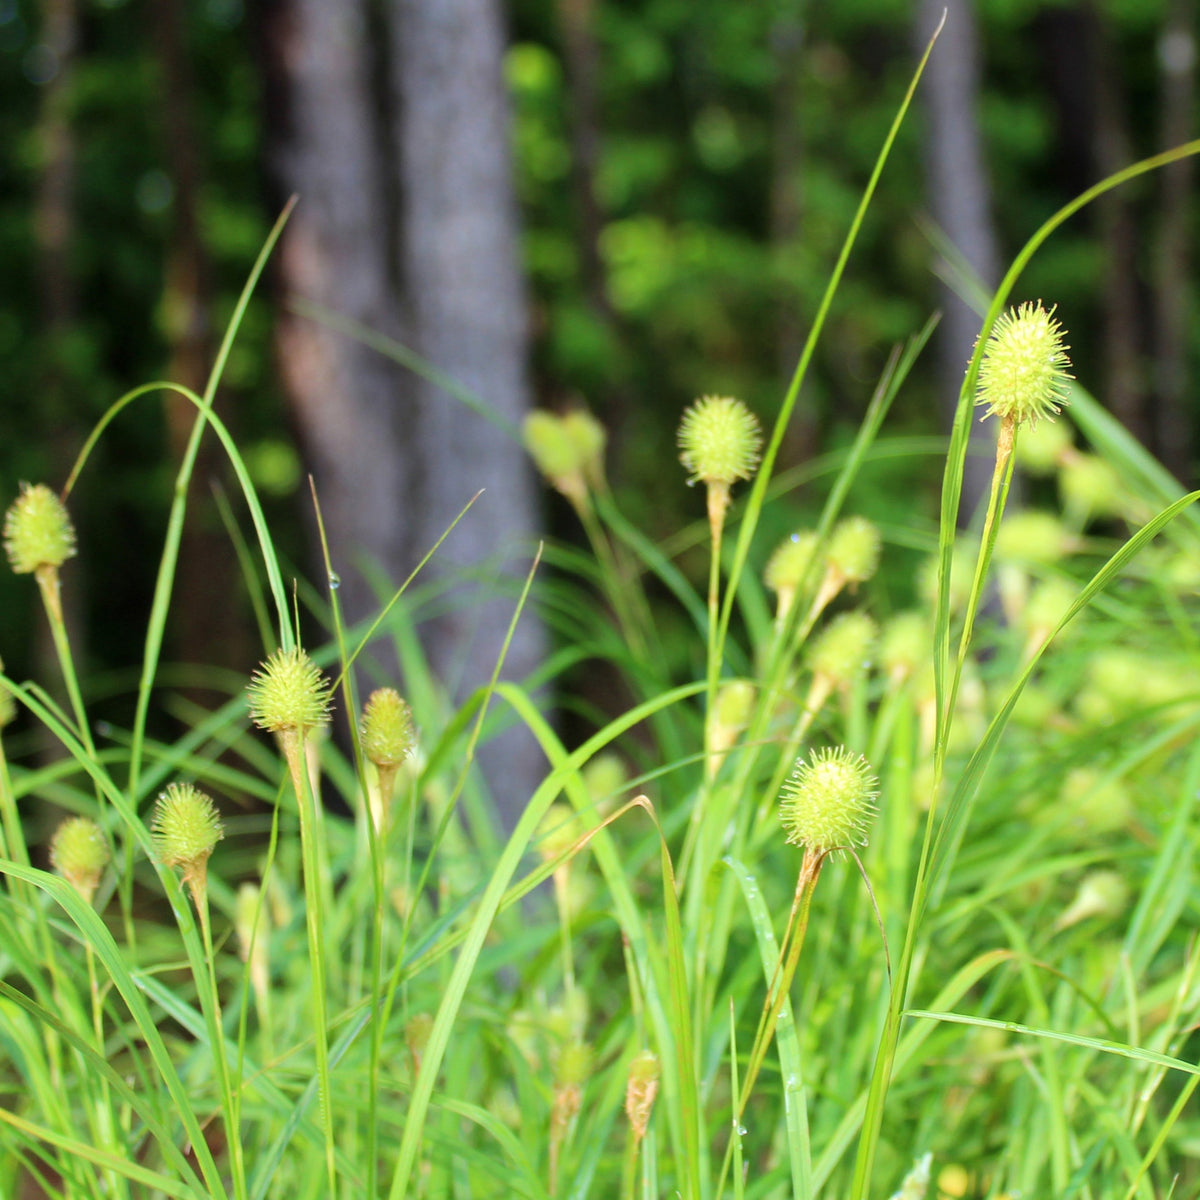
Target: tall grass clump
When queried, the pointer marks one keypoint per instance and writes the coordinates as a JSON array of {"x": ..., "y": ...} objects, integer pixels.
[{"x": 871, "y": 890}]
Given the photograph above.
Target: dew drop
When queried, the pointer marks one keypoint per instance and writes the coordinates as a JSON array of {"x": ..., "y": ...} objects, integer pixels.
[{"x": 335, "y": 581}]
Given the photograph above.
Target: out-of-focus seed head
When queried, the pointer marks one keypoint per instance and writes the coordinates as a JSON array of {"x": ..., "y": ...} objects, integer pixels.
[
  {"x": 588, "y": 437},
  {"x": 79, "y": 853},
  {"x": 386, "y": 729},
  {"x": 853, "y": 549},
  {"x": 37, "y": 530},
  {"x": 719, "y": 440},
  {"x": 1091, "y": 488},
  {"x": 1042, "y": 448},
  {"x": 641, "y": 1090},
  {"x": 186, "y": 828},
  {"x": 907, "y": 642},
  {"x": 790, "y": 560},
  {"x": 1032, "y": 536},
  {"x": 1024, "y": 372},
  {"x": 843, "y": 650},
  {"x": 288, "y": 691},
  {"x": 827, "y": 802}
]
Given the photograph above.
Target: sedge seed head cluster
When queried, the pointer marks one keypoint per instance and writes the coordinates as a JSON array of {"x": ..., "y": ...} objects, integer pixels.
[
  {"x": 1024, "y": 372},
  {"x": 828, "y": 801},
  {"x": 719, "y": 440},
  {"x": 288, "y": 692},
  {"x": 37, "y": 530}
]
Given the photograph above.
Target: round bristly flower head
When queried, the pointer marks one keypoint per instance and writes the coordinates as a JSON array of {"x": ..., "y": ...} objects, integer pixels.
[
  {"x": 387, "y": 728},
  {"x": 853, "y": 550},
  {"x": 1024, "y": 373},
  {"x": 79, "y": 853},
  {"x": 844, "y": 648},
  {"x": 186, "y": 828},
  {"x": 827, "y": 803},
  {"x": 788, "y": 564},
  {"x": 288, "y": 692},
  {"x": 719, "y": 440},
  {"x": 37, "y": 530}
]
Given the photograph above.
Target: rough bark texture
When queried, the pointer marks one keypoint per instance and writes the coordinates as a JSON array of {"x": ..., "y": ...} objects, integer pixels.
[
  {"x": 957, "y": 187},
  {"x": 395, "y": 136},
  {"x": 459, "y": 255}
]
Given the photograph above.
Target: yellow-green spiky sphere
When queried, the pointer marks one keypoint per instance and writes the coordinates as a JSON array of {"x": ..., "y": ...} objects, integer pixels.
[
  {"x": 843, "y": 650},
  {"x": 185, "y": 826},
  {"x": 853, "y": 549},
  {"x": 719, "y": 440},
  {"x": 37, "y": 530},
  {"x": 79, "y": 853},
  {"x": 387, "y": 728},
  {"x": 1024, "y": 372},
  {"x": 789, "y": 563},
  {"x": 827, "y": 802},
  {"x": 288, "y": 692}
]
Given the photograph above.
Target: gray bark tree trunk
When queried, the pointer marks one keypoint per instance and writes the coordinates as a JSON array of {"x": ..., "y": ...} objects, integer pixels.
[
  {"x": 407, "y": 225},
  {"x": 468, "y": 314},
  {"x": 959, "y": 201}
]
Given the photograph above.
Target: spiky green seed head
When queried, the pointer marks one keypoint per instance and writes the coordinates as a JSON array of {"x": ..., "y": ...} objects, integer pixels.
[
  {"x": 1043, "y": 447},
  {"x": 906, "y": 643},
  {"x": 853, "y": 549},
  {"x": 79, "y": 853},
  {"x": 387, "y": 728},
  {"x": 719, "y": 440},
  {"x": 844, "y": 648},
  {"x": 186, "y": 828},
  {"x": 1033, "y": 537},
  {"x": 37, "y": 530},
  {"x": 827, "y": 802},
  {"x": 641, "y": 1090},
  {"x": 288, "y": 692},
  {"x": 1024, "y": 372},
  {"x": 790, "y": 561}
]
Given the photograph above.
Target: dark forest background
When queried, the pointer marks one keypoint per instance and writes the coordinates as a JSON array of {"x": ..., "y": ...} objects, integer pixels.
[{"x": 617, "y": 203}]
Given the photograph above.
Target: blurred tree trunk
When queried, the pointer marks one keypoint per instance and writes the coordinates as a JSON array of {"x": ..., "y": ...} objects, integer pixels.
[
  {"x": 53, "y": 231},
  {"x": 392, "y": 128},
  {"x": 1173, "y": 420},
  {"x": 204, "y": 631},
  {"x": 959, "y": 201},
  {"x": 461, "y": 271},
  {"x": 1125, "y": 393}
]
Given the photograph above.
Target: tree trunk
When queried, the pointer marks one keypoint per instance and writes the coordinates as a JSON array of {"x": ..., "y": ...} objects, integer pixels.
[
  {"x": 1125, "y": 393},
  {"x": 203, "y": 631},
  {"x": 406, "y": 224},
  {"x": 459, "y": 255},
  {"x": 350, "y": 404},
  {"x": 1173, "y": 420},
  {"x": 959, "y": 201}
]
